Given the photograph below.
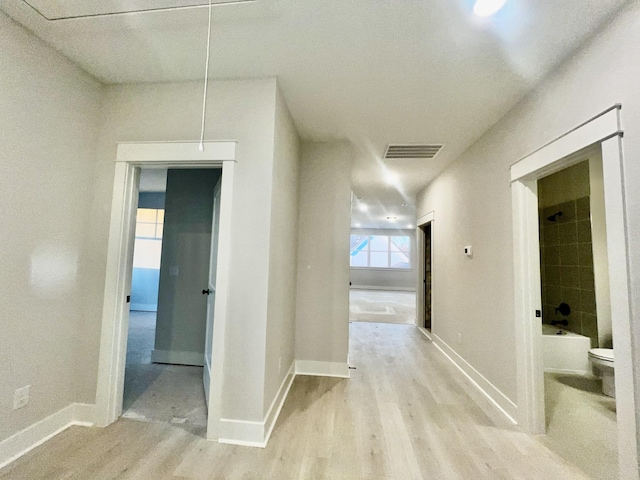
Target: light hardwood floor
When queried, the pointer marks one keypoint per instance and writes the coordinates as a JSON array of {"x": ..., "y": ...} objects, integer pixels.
[{"x": 404, "y": 414}]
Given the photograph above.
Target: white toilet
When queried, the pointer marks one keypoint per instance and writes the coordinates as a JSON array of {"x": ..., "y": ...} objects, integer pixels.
[{"x": 602, "y": 363}]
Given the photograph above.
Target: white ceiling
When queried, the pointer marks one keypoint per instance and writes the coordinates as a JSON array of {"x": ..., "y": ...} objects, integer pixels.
[{"x": 371, "y": 71}]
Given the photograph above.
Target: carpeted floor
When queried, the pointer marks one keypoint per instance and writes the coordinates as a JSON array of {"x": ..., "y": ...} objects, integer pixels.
[
  {"x": 581, "y": 424},
  {"x": 381, "y": 306},
  {"x": 160, "y": 393}
]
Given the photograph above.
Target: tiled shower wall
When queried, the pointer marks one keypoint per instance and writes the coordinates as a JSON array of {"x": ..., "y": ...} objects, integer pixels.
[{"x": 567, "y": 266}]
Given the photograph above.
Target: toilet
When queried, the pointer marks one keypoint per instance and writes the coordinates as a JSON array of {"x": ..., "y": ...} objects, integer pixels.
[{"x": 602, "y": 363}]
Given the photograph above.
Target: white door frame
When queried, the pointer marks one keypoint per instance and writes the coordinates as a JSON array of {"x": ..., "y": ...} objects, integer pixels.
[
  {"x": 604, "y": 129},
  {"x": 421, "y": 222},
  {"x": 130, "y": 157}
]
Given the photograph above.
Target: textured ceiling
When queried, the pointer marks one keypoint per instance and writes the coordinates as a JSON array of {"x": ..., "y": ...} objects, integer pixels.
[{"x": 373, "y": 72}]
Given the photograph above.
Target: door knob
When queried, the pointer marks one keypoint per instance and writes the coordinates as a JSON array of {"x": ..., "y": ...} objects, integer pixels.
[{"x": 206, "y": 292}]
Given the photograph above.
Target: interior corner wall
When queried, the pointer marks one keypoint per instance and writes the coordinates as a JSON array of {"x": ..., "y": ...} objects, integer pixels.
[
  {"x": 472, "y": 198},
  {"x": 283, "y": 252},
  {"x": 322, "y": 309},
  {"x": 386, "y": 278},
  {"x": 244, "y": 111},
  {"x": 48, "y": 129}
]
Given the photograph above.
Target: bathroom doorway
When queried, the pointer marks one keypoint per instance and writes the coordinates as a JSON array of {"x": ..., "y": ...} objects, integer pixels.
[
  {"x": 604, "y": 130},
  {"x": 580, "y": 419}
]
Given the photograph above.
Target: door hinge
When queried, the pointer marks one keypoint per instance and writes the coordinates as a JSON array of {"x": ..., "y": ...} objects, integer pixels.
[
  {"x": 128, "y": 298},
  {"x": 538, "y": 313}
]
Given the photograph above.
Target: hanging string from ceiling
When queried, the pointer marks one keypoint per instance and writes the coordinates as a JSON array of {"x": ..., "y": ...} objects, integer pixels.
[{"x": 206, "y": 81}]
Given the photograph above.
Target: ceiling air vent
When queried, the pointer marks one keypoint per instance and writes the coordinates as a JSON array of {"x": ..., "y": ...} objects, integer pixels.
[{"x": 412, "y": 151}]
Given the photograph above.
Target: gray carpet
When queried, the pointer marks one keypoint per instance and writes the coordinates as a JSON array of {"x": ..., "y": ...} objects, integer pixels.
[{"x": 160, "y": 393}]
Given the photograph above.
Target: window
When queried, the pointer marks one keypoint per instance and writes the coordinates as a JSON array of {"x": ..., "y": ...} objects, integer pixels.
[
  {"x": 148, "y": 243},
  {"x": 381, "y": 251},
  {"x": 149, "y": 223}
]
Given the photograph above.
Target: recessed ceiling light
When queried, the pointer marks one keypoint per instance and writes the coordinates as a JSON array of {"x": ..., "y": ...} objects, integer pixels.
[
  {"x": 363, "y": 207},
  {"x": 392, "y": 219},
  {"x": 486, "y": 8},
  {"x": 405, "y": 204},
  {"x": 409, "y": 226},
  {"x": 357, "y": 225}
]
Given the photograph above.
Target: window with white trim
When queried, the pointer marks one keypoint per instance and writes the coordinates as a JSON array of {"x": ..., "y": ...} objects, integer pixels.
[
  {"x": 381, "y": 251},
  {"x": 148, "y": 242}
]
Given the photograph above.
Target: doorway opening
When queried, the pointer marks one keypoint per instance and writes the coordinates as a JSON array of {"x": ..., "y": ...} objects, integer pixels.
[
  {"x": 604, "y": 131},
  {"x": 426, "y": 281},
  {"x": 167, "y": 319},
  {"x": 576, "y": 315},
  {"x": 218, "y": 156},
  {"x": 382, "y": 276}
]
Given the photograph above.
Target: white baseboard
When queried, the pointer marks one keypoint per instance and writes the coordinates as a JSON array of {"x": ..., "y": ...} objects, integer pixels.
[
  {"x": 376, "y": 287},
  {"x": 177, "y": 357},
  {"x": 499, "y": 400},
  {"x": 84, "y": 414},
  {"x": 144, "y": 307},
  {"x": 35, "y": 435},
  {"x": 568, "y": 372},
  {"x": 322, "y": 369},
  {"x": 242, "y": 432},
  {"x": 278, "y": 402},
  {"x": 206, "y": 379},
  {"x": 424, "y": 331},
  {"x": 257, "y": 434}
]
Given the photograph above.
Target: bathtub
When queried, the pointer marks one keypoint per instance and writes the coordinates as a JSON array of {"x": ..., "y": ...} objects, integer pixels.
[{"x": 564, "y": 351}]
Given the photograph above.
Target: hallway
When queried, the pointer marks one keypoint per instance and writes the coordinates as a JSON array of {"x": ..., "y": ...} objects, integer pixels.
[{"x": 406, "y": 413}]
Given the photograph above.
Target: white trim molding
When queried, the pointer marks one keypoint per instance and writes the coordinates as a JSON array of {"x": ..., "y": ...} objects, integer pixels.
[
  {"x": 35, "y": 435},
  {"x": 253, "y": 433},
  {"x": 322, "y": 369},
  {"x": 605, "y": 130},
  {"x": 130, "y": 157},
  {"x": 426, "y": 218},
  {"x": 178, "y": 357},
  {"x": 153, "y": 152},
  {"x": 501, "y": 403}
]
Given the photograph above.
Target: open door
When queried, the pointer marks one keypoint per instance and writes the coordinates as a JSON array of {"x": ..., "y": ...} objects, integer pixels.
[
  {"x": 211, "y": 289},
  {"x": 427, "y": 276}
]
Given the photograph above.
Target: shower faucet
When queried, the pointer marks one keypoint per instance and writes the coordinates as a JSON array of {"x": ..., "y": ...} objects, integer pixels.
[{"x": 563, "y": 309}]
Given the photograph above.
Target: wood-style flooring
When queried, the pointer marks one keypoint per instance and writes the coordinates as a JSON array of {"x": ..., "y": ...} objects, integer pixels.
[{"x": 405, "y": 414}]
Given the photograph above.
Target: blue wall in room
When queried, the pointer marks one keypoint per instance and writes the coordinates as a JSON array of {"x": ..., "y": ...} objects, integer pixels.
[
  {"x": 145, "y": 281},
  {"x": 144, "y": 289}
]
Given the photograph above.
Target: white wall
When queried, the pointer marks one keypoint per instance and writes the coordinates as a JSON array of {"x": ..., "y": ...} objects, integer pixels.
[
  {"x": 472, "y": 199},
  {"x": 322, "y": 318},
  {"x": 186, "y": 248},
  {"x": 281, "y": 307},
  {"x": 379, "y": 278},
  {"x": 239, "y": 110},
  {"x": 48, "y": 129}
]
